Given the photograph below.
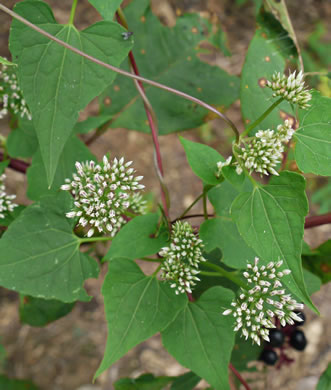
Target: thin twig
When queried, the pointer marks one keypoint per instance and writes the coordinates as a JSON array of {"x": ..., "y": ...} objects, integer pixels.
[
  {"x": 317, "y": 220},
  {"x": 152, "y": 121},
  {"x": 192, "y": 216},
  {"x": 17, "y": 165},
  {"x": 120, "y": 71},
  {"x": 240, "y": 378}
]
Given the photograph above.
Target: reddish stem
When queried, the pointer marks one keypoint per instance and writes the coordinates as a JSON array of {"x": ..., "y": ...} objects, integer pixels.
[
  {"x": 240, "y": 378},
  {"x": 17, "y": 165},
  {"x": 151, "y": 123},
  {"x": 317, "y": 220}
]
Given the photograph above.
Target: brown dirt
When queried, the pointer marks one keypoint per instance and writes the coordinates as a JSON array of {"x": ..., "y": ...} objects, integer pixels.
[{"x": 64, "y": 355}]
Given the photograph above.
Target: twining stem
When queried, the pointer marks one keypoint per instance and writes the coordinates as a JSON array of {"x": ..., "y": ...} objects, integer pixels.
[
  {"x": 193, "y": 216},
  {"x": 17, "y": 165},
  {"x": 260, "y": 119},
  {"x": 240, "y": 378},
  {"x": 205, "y": 212},
  {"x": 152, "y": 121},
  {"x": 122, "y": 72},
  {"x": 196, "y": 200},
  {"x": 73, "y": 11},
  {"x": 226, "y": 274},
  {"x": 317, "y": 220}
]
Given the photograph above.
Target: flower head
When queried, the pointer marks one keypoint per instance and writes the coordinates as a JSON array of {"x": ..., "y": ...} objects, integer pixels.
[
  {"x": 263, "y": 299},
  {"x": 263, "y": 152},
  {"x": 11, "y": 97},
  {"x": 291, "y": 88},
  {"x": 6, "y": 204},
  {"x": 182, "y": 258},
  {"x": 102, "y": 193}
]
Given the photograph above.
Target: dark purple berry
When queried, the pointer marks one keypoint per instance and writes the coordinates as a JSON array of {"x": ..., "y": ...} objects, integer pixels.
[
  {"x": 276, "y": 337},
  {"x": 302, "y": 316},
  {"x": 269, "y": 357},
  {"x": 298, "y": 340}
]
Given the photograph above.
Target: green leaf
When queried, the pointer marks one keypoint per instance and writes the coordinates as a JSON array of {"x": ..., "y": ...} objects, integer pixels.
[
  {"x": 74, "y": 150},
  {"x": 313, "y": 138},
  {"x": 3, "y": 166},
  {"x": 201, "y": 339},
  {"x": 106, "y": 8},
  {"x": 91, "y": 123},
  {"x": 271, "y": 221},
  {"x": 202, "y": 160},
  {"x": 56, "y": 82},
  {"x": 10, "y": 217},
  {"x": 15, "y": 384},
  {"x": 267, "y": 53},
  {"x": 223, "y": 233},
  {"x": 188, "y": 381},
  {"x": 144, "y": 382},
  {"x": 40, "y": 312},
  {"x": 230, "y": 174},
  {"x": 135, "y": 239},
  {"x": 47, "y": 262},
  {"x": 279, "y": 10},
  {"x": 312, "y": 282},
  {"x": 244, "y": 352},
  {"x": 323, "y": 198},
  {"x": 22, "y": 141},
  {"x": 175, "y": 65},
  {"x": 319, "y": 263},
  {"x": 325, "y": 379},
  {"x": 137, "y": 306},
  {"x": 221, "y": 196},
  {"x": 4, "y": 61}
]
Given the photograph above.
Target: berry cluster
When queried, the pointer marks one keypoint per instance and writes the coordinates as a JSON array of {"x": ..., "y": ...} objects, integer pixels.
[
  {"x": 11, "y": 98},
  {"x": 291, "y": 88},
  {"x": 102, "y": 193},
  {"x": 282, "y": 338},
  {"x": 263, "y": 152},
  {"x": 6, "y": 204},
  {"x": 264, "y": 299},
  {"x": 182, "y": 258}
]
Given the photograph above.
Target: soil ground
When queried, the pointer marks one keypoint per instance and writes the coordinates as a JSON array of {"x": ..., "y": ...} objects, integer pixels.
[{"x": 64, "y": 355}]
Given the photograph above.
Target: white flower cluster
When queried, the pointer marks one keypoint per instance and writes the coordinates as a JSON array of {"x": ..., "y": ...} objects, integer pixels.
[
  {"x": 256, "y": 307},
  {"x": 263, "y": 153},
  {"x": 291, "y": 88},
  {"x": 182, "y": 258},
  {"x": 6, "y": 204},
  {"x": 11, "y": 98},
  {"x": 102, "y": 193},
  {"x": 266, "y": 149}
]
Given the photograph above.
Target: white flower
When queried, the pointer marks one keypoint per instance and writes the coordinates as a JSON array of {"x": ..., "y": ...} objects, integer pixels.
[
  {"x": 291, "y": 88},
  {"x": 182, "y": 258},
  {"x": 11, "y": 97},
  {"x": 265, "y": 150},
  {"x": 102, "y": 193},
  {"x": 261, "y": 301},
  {"x": 6, "y": 204}
]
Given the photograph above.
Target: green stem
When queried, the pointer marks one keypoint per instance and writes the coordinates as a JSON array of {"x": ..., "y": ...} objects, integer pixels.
[
  {"x": 226, "y": 274},
  {"x": 205, "y": 213},
  {"x": 73, "y": 11},
  {"x": 149, "y": 259},
  {"x": 260, "y": 119},
  {"x": 190, "y": 206},
  {"x": 157, "y": 270},
  {"x": 94, "y": 239}
]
